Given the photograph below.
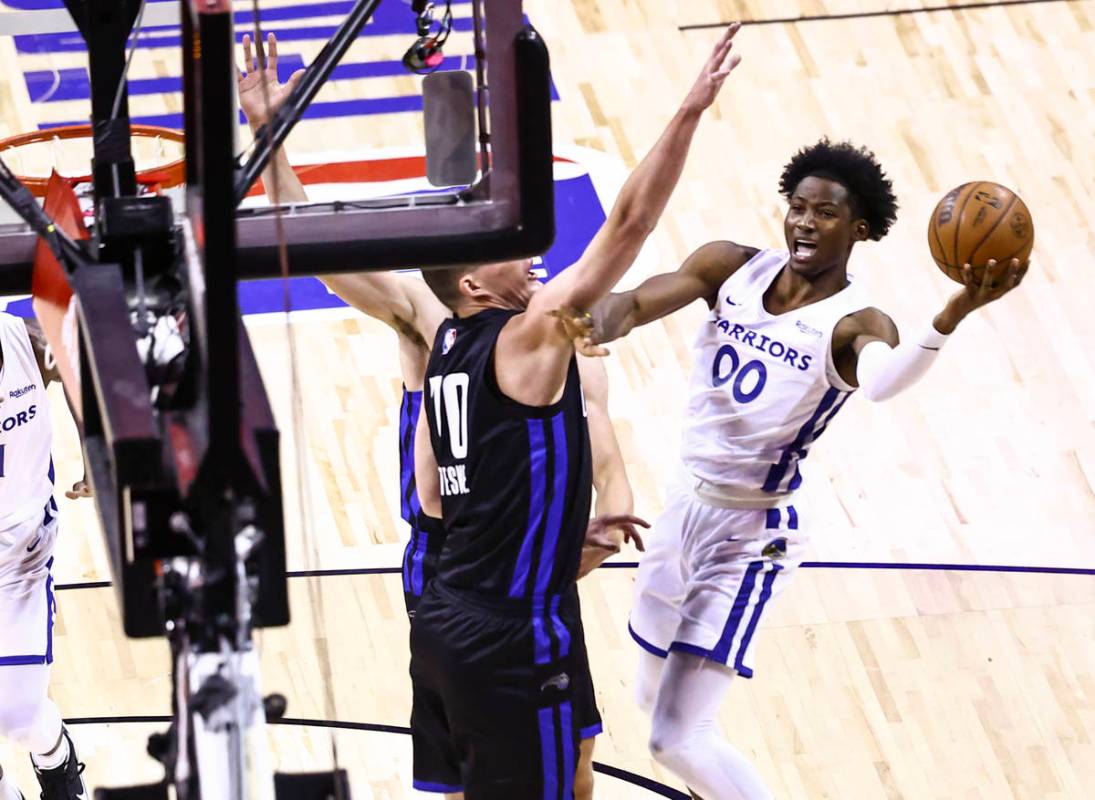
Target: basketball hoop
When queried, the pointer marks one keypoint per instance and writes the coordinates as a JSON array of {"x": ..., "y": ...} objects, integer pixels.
[{"x": 158, "y": 153}]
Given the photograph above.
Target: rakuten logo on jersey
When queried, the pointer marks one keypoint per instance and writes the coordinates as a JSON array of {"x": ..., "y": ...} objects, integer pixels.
[
  {"x": 16, "y": 393},
  {"x": 22, "y": 418},
  {"x": 766, "y": 344}
]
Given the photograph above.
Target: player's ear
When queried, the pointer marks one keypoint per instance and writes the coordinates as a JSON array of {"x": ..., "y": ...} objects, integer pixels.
[
  {"x": 468, "y": 285},
  {"x": 861, "y": 231}
]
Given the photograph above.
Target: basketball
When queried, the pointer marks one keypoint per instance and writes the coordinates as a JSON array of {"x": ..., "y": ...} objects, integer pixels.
[{"x": 977, "y": 222}]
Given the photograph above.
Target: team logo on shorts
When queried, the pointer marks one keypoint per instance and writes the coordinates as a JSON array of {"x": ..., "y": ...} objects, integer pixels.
[
  {"x": 560, "y": 682},
  {"x": 450, "y": 338},
  {"x": 777, "y": 548}
]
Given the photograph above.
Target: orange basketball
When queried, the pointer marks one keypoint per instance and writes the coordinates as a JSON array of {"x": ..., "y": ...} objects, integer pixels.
[{"x": 977, "y": 222}]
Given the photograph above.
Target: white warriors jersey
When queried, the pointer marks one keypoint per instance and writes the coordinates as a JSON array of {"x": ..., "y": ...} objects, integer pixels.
[
  {"x": 26, "y": 468},
  {"x": 763, "y": 386}
]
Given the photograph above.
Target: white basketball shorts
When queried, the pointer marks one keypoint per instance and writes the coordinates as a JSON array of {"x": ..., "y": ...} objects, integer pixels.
[
  {"x": 708, "y": 576},
  {"x": 27, "y": 604}
]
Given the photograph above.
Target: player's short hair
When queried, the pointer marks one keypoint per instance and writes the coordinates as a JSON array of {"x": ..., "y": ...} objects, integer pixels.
[
  {"x": 854, "y": 168},
  {"x": 445, "y": 282}
]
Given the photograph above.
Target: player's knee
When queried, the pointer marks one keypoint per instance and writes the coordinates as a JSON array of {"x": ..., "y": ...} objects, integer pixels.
[
  {"x": 19, "y": 717},
  {"x": 668, "y": 745},
  {"x": 645, "y": 696}
]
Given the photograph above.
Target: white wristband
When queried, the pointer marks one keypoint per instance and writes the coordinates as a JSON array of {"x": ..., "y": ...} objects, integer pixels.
[{"x": 884, "y": 372}]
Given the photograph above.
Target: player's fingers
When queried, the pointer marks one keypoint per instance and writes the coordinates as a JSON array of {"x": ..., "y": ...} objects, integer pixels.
[
  {"x": 988, "y": 278},
  {"x": 722, "y": 46},
  {"x": 260, "y": 51},
  {"x": 967, "y": 276},
  {"x": 272, "y": 51},
  {"x": 633, "y": 536},
  {"x": 619, "y": 520},
  {"x": 248, "y": 54}
]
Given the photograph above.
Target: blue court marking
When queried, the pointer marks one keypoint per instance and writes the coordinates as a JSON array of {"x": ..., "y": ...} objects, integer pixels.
[
  {"x": 46, "y": 86},
  {"x": 658, "y": 789},
  {"x": 909, "y": 567},
  {"x": 392, "y": 17}
]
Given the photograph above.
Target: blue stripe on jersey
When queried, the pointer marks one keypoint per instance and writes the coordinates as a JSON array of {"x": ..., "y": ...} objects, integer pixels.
[
  {"x": 51, "y": 473},
  {"x": 741, "y": 602},
  {"x": 772, "y": 519},
  {"x": 765, "y": 593},
  {"x": 555, "y": 510},
  {"x": 796, "y": 481},
  {"x": 537, "y": 491},
  {"x": 408, "y": 422},
  {"x": 547, "y": 753},
  {"x": 436, "y": 788},
  {"x": 792, "y": 518},
  {"x": 797, "y": 448},
  {"x": 540, "y": 637},
  {"x": 49, "y": 612},
  {"x": 561, "y": 632},
  {"x": 565, "y": 723}
]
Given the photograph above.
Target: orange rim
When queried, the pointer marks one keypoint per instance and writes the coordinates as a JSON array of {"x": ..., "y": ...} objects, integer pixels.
[{"x": 163, "y": 176}]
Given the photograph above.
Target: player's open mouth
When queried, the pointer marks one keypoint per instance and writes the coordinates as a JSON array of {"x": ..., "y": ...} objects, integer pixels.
[{"x": 804, "y": 248}]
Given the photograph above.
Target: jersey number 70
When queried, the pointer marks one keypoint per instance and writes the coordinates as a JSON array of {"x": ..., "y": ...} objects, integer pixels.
[{"x": 454, "y": 388}]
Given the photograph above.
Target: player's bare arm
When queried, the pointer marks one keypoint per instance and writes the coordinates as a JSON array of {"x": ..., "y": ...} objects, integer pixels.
[
  {"x": 261, "y": 95},
  {"x": 534, "y": 347},
  {"x": 867, "y": 349},
  {"x": 614, "y": 495},
  {"x": 48, "y": 367},
  {"x": 698, "y": 278},
  {"x": 425, "y": 470}
]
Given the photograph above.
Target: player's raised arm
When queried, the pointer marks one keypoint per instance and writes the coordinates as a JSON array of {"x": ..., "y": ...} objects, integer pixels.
[
  {"x": 641, "y": 201},
  {"x": 261, "y": 95},
  {"x": 402, "y": 302}
]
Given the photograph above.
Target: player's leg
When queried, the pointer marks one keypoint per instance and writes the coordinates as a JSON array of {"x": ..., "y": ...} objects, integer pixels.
[
  {"x": 738, "y": 561},
  {"x": 685, "y": 735},
  {"x": 27, "y": 715},
  {"x": 587, "y": 715},
  {"x": 8, "y": 789},
  {"x": 30, "y": 719},
  {"x": 436, "y": 761}
]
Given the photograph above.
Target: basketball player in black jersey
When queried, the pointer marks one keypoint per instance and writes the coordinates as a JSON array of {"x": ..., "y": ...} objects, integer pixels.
[
  {"x": 503, "y": 455},
  {"x": 408, "y": 306}
]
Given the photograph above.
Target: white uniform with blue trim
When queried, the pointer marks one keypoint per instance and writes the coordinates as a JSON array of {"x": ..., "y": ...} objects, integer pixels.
[
  {"x": 28, "y": 512},
  {"x": 763, "y": 389}
]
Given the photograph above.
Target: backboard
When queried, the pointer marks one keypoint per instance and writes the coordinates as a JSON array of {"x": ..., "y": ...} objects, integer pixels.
[{"x": 369, "y": 108}]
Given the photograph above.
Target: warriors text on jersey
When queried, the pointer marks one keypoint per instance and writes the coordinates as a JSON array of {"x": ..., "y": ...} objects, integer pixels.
[
  {"x": 515, "y": 480},
  {"x": 26, "y": 469},
  {"x": 763, "y": 386}
]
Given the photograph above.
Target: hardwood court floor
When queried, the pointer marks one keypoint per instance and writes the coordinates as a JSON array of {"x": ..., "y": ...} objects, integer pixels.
[{"x": 870, "y": 683}]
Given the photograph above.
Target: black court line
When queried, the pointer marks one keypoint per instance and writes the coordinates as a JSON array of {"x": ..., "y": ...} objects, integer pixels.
[
  {"x": 642, "y": 782},
  {"x": 910, "y": 566},
  {"x": 896, "y": 12}
]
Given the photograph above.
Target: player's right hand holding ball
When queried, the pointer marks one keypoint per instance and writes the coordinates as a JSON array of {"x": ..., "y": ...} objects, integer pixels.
[{"x": 996, "y": 281}]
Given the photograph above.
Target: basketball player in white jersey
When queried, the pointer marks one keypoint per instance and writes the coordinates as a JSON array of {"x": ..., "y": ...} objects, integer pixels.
[
  {"x": 414, "y": 313},
  {"x": 28, "y": 530},
  {"x": 787, "y": 341}
]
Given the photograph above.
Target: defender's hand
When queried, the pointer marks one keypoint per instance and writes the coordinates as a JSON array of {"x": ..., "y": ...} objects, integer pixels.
[
  {"x": 600, "y": 532},
  {"x": 578, "y": 325},
  {"x": 715, "y": 71},
  {"x": 78, "y": 490},
  {"x": 995, "y": 282},
  {"x": 258, "y": 84}
]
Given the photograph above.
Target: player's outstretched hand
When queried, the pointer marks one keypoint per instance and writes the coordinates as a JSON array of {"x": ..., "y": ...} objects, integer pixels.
[
  {"x": 603, "y": 539},
  {"x": 78, "y": 490},
  {"x": 258, "y": 83},
  {"x": 997, "y": 279},
  {"x": 579, "y": 327},
  {"x": 715, "y": 71},
  {"x": 600, "y": 531}
]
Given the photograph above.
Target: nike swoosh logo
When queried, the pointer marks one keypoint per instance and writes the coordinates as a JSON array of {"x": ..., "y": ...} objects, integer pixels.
[{"x": 31, "y": 549}]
